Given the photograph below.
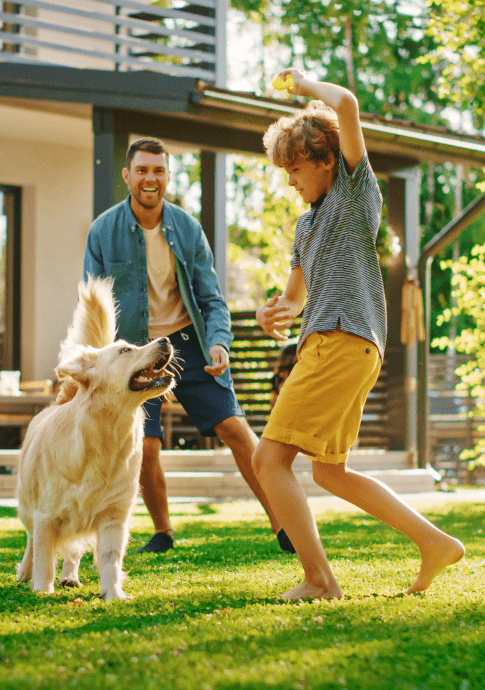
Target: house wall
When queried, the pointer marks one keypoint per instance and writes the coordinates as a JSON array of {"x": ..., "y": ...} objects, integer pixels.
[{"x": 53, "y": 166}]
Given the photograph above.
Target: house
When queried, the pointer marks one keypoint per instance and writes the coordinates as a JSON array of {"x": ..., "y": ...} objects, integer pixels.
[{"x": 77, "y": 79}]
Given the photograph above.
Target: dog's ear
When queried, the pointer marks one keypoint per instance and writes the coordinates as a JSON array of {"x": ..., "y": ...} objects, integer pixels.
[{"x": 79, "y": 365}]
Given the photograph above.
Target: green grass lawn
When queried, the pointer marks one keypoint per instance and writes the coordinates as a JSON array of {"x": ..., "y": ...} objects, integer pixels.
[{"x": 206, "y": 615}]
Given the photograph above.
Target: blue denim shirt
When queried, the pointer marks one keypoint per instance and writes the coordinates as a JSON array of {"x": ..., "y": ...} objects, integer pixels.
[{"x": 116, "y": 247}]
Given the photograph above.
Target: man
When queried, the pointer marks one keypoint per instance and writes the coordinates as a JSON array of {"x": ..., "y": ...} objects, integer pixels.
[{"x": 165, "y": 285}]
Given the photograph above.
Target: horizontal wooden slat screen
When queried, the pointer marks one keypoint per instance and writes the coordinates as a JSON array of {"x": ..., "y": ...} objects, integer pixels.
[
  {"x": 253, "y": 356},
  {"x": 179, "y": 39}
]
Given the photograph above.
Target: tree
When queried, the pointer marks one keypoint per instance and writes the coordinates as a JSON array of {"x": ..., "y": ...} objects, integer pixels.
[
  {"x": 443, "y": 194},
  {"x": 371, "y": 47},
  {"x": 264, "y": 213},
  {"x": 458, "y": 27}
]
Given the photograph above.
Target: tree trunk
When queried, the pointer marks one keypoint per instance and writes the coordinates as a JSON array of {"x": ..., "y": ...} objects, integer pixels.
[{"x": 349, "y": 60}]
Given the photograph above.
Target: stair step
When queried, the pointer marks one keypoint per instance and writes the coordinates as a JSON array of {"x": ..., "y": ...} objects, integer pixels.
[
  {"x": 225, "y": 485},
  {"x": 213, "y": 473}
]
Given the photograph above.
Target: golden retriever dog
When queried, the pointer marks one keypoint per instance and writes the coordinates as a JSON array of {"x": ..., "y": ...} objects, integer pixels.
[{"x": 81, "y": 458}]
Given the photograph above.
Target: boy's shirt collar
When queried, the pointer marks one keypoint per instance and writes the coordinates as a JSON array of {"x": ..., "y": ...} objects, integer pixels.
[{"x": 316, "y": 204}]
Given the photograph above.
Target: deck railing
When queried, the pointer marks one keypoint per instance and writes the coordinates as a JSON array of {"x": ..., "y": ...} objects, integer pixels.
[
  {"x": 450, "y": 427},
  {"x": 176, "y": 37}
]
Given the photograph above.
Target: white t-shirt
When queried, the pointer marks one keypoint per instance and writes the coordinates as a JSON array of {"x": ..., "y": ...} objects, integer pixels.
[{"x": 166, "y": 310}]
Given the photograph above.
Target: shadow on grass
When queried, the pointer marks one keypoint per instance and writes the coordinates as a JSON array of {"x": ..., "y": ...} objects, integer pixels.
[
  {"x": 401, "y": 646},
  {"x": 201, "y": 543},
  {"x": 398, "y": 642}
]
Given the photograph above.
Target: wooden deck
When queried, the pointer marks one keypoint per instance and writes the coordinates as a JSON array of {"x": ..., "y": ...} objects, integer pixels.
[{"x": 212, "y": 474}]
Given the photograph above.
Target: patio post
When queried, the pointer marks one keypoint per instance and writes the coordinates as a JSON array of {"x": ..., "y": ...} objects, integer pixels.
[{"x": 213, "y": 211}]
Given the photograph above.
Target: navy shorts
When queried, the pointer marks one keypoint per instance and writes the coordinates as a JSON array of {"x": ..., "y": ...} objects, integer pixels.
[{"x": 206, "y": 402}]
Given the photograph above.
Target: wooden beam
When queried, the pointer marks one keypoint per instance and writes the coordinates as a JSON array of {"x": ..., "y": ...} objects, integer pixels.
[
  {"x": 208, "y": 135},
  {"x": 108, "y": 89},
  {"x": 109, "y": 157},
  {"x": 395, "y": 351}
]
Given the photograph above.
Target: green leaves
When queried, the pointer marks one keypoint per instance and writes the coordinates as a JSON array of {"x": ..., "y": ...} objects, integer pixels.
[
  {"x": 261, "y": 232},
  {"x": 458, "y": 27},
  {"x": 468, "y": 283},
  {"x": 372, "y": 47}
]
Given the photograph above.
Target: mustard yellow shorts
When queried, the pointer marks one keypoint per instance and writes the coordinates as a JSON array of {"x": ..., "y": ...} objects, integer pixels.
[{"x": 319, "y": 408}]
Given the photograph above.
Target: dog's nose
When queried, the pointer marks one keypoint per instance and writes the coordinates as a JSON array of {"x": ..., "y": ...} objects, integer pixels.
[{"x": 164, "y": 344}]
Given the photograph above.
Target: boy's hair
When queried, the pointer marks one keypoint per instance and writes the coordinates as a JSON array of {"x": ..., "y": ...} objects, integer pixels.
[
  {"x": 149, "y": 145},
  {"x": 310, "y": 134}
]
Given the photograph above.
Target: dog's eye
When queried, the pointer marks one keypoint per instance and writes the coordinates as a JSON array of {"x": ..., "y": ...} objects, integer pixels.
[{"x": 125, "y": 349}]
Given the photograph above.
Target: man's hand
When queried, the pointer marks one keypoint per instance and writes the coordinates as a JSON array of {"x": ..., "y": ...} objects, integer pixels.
[
  {"x": 220, "y": 360},
  {"x": 273, "y": 317}
]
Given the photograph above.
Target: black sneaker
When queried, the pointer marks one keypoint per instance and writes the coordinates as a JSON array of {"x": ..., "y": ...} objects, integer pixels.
[
  {"x": 161, "y": 541},
  {"x": 284, "y": 541}
]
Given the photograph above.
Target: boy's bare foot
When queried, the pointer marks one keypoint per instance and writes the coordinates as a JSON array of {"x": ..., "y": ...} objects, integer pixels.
[
  {"x": 435, "y": 559},
  {"x": 309, "y": 591}
]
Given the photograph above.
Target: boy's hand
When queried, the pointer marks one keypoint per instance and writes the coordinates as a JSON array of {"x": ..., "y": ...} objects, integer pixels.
[
  {"x": 220, "y": 361},
  {"x": 345, "y": 105},
  {"x": 273, "y": 318}
]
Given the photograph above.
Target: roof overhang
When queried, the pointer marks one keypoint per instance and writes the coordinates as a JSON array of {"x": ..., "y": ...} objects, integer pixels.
[
  {"x": 206, "y": 117},
  {"x": 141, "y": 90},
  {"x": 395, "y": 138}
]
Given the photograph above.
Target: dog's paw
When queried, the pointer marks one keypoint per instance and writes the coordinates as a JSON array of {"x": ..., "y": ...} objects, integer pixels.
[
  {"x": 70, "y": 582},
  {"x": 114, "y": 593},
  {"x": 24, "y": 576},
  {"x": 47, "y": 588}
]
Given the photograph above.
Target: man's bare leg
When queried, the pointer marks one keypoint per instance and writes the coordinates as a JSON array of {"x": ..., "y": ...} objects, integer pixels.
[
  {"x": 153, "y": 485},
  {"x": 236, "y": 433},
  {"x": 272, "y": 463},
  {"x": 438, "y": 549}
]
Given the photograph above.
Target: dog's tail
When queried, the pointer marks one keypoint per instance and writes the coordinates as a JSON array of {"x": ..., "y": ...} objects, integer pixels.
[
  {"x": 94, "y": 324},
  {"x": 94, "y": 320}
]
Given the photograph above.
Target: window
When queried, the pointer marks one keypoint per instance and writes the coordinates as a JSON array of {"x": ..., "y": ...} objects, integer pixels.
[{"x": 9, "y": 277}]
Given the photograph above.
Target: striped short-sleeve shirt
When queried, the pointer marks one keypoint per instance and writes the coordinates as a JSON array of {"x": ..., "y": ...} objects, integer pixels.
[{"x": 335, "y": 245}]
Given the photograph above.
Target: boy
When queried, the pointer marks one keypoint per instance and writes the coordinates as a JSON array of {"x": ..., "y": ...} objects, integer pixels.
[{"x": 335, "y": 271}]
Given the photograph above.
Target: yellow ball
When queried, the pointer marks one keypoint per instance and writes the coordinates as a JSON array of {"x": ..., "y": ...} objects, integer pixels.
[{"x": 280, "y": 84}]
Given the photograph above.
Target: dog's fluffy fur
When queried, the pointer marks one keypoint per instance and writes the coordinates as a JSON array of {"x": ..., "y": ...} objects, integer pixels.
[{"x": 80, "y": 461}]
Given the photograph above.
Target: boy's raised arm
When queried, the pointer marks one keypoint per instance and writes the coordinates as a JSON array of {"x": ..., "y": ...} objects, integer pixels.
[{"x": 344, "y": 103}]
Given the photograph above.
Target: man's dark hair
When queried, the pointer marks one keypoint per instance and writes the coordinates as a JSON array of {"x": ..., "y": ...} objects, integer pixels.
[{"x": 149, "y": 145}]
